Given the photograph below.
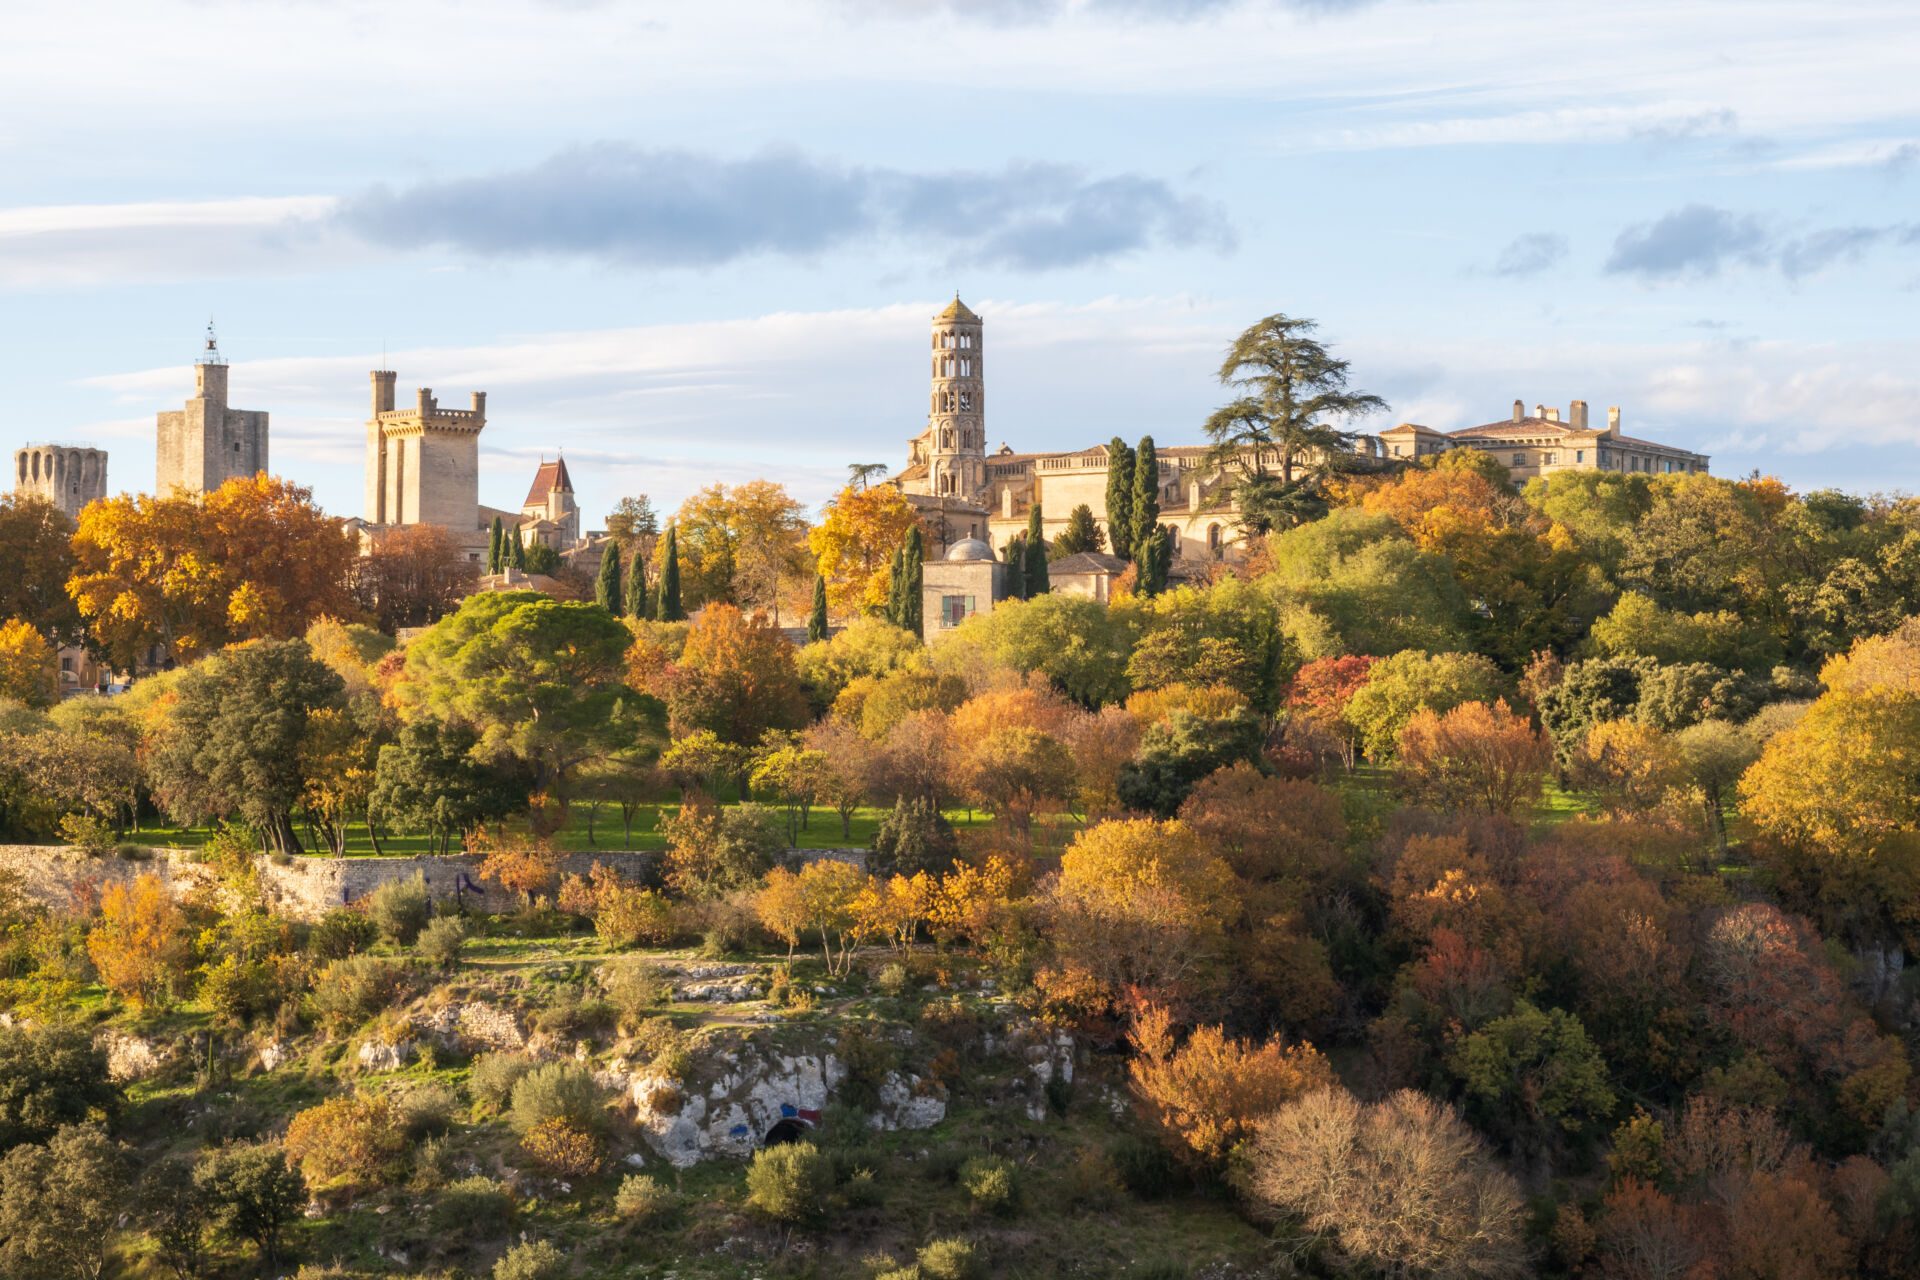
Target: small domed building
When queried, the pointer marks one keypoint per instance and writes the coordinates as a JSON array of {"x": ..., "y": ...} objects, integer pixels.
[{"x": 968, "y": 579}]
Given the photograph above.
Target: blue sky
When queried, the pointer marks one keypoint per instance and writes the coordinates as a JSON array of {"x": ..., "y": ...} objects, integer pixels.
[{"x": 700, "y": 241}]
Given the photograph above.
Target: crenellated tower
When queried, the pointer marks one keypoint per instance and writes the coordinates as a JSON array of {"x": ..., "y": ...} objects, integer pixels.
[
  {"x": 956, "y": 417},
  {"x": 68, "y": 476},
  {"x": 423, "y": 462}
]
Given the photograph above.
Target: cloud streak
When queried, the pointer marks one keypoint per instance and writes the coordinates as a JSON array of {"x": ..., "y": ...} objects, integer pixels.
[
  {"x": 1698, "y": 240},
  {"x": 1530, "y": 254},
  {"x": 658, "y": 207}
]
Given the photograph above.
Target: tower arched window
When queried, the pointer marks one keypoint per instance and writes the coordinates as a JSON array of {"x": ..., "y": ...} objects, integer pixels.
[
  {"x": 966, "y": 401},
  {"x": 966, "y": 368},
  {"x": 949, "y": 366}
]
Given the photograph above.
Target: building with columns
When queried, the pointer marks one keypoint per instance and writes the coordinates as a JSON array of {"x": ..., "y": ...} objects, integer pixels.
[
  {"x": 68, "y": 476},
  {"x": 206, "y": 443}
]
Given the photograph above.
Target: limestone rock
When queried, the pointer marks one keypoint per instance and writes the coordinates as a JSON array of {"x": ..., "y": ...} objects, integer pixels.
[
  {"x": 131, "y": 1057},
  {"x": 376, "y": 1056}
]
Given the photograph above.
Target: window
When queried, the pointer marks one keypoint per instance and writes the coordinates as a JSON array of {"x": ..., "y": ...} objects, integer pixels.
[
  {"x": 1519, "y": 459},
  {"x": 1579, "y": 455},
  {"x": 966, "y": 368},
  {"x": 1549, "y": 459},
  {"x": 1215, "y": 543},
  {"x": 966, "y": 401},
  {"x": 955, "y": 610},
  {"x": 1396, "y": 451}
]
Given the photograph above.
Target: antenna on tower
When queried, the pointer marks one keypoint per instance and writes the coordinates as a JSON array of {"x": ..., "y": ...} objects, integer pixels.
[{"x": 210, "y": 354}]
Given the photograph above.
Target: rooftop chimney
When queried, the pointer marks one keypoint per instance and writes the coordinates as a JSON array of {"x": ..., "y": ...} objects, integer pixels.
[
  {"x": 1577, "y": 415},
  {"x": 1519, "y": 410},
  {"x": 1613, "y": 420},
  {"x": 1551, "y": 415}
]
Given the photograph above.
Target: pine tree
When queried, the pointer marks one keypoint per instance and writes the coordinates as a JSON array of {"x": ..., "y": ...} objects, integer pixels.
[
  {"x": 817, "y": 620},
  {"x": 1037, "y": 584},
  {"x": 638, "y": 603},
  {"x": 1146, "y": 492},
  {"x": 1081, "y": 534},
  {"x": 912, "y": 579},
  {"x": 667, "y": 605},
  {"x": 606, "y": 587},
  {"x": 1017, "y": 568},
  {"x": 516, "y": 551},
  {"x": 495, "y": 538},
  {"x": 1120, "y": 497}
]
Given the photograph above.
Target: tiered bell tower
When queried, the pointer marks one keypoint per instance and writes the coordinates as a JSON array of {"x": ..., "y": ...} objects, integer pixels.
[{"x": 956, "y": 419}]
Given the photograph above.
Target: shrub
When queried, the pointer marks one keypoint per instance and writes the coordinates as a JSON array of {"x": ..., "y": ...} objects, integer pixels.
[
  {"x": 563, "y": 1149},
  {"x": 53, "y": 1076},
  {"x": 633, "y": 985},
  {"x": 254, "y": 1193},
  {"x": 478, "y": 1200},
  {"x": 891, "y": 980},
  {"x": 425, "y": 1108},
  {"x": 655, "y": 1037},
  {"x": 626, "y": 915},
  {"x": 790, "y": 1183},
  {"x": 442, "y": 941},
  {"x": 989, "y": 1183},
  {"x": 341, "y": 932},
  {"x": 88, "y": 834},
  {"x": 128, "y": 851},
  {"x": 350, "y": 991},
  {"x": 493, "y": 1077},
  {"x": 400, "y": 909},
  {"x": 530, "y": 1260},
  {"x": 948, "y": 1259},
  {"x": 350, "y": 1139},
  {"x": 861, "y": 1190},
  {"x": 645, "y": 1201},
  {"x": 556, "y": 1091}
]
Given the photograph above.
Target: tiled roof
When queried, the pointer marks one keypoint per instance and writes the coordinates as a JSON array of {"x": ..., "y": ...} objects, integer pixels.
[
  {"x": 551, "y": 475},
  {"x": 1506, "y": 429},
  {"x": 957, "y": 310},
  {"x": 1088, "y": 562}
]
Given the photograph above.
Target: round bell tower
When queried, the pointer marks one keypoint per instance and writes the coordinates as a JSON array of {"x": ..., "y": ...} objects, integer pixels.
[{"x": 957, "y": 453}]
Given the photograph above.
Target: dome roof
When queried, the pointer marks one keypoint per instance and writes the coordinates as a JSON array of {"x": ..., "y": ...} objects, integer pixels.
[
  {"x": 970, "y": 549},
  {"x": 957, "y": 310}
]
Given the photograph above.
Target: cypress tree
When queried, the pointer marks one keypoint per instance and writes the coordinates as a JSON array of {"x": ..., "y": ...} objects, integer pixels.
[
  {"x": 1017, "y": 568},
  {"x": 1152, "y": 558},
  {"x": 895, "y": 612},
  {"x": 1037, "y": 584},
  {"x": 495, "y": 537},
  {"x": 911, "y": 581},
  {"x": 1146, "y": 493},
  {"x": 667, "y": 603},
  {"x": 817, "y": 620},
  {"x": 636, "y": 588},
  {"x": 606, "y": 587},
  {"x": 516, "y": 551},
  {"x": 1120, "y": 497}
]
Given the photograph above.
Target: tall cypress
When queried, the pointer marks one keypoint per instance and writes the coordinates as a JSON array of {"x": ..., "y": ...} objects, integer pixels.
[
  {"x": 911, "y": 580},
  {"x": 606, "y": 587},
  {"x": 1152, "y": 558},
  {"x": 1037, "y": 584},
  {"x": 896, "y": 610},
  {"x": 1017, "y": 568},
  {"x": 637, "y": 602},
  {"x": 516, "y": 551},
  {"x": 495, "y": 537},
  {"x": 1146, "y": 492},
  {"x": 1120, "y": 498},
  {"x": 817, "y": 620},
  {"x": 667, "y": 604}
]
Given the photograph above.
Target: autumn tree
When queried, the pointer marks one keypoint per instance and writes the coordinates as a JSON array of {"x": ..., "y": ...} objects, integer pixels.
[
  {"x": 1473, "y": 758},
  {"x": 1406, "y": 683},
  {"x": 140, "y": 945},
  {"x": 735, "y": 677},
  {"x": 1207, "y": 1094},
  {"x": 412, "y": 576},
  {"x": 39, "y": 541},
  {"x": 739, "y": 545},
  {"x": 1292, "y": 403},
  {"x": 854, "y": 542},
  {"x": 1402, "y": 1186},
  {"x": 798, "y": 776},
  {"x": 254, "y": 559},
  {"x": 28, "y": 673}
]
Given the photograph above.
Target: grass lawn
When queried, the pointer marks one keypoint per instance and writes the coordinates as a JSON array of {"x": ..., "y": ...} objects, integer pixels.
[{"x": 823, "y": 832}]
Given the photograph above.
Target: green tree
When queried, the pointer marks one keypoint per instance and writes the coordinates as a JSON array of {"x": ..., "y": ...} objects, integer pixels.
[
  {"x": 1411, "y": 681},
  {"x": 1081, "y": 534},
  {"x": 1534, "y": 1076},
  {"x": 1016, "y": 580},
  {"x": 51, "y": 1076},
  {"x": 516, "y": 550},
  {"x": 606, "y": 587},
  {"x": 1178, "y": 752},
  {"x": 1291, "y": 391},
  {"x": 1037, "y": 584},
  {"x": 1080, "y": 645},
  {"x": 233, "y": 744},
  {"x": 428, "y": 782},
  {"x": 255, "y": 1194},
  {"x": 666, "y": 606},
  {"x": 633, "y": 523},
  {"x": 537, "y": 681},
  {"x": 496, "y": 540},
  {"x": 1145, "y": 503},
  {"x": 1120, "y": 465},
  {"x": 817, "y": 619},
  {"x": 1153, "y": 556},
  {"x": 60, "y": 1204},
  {"x": 911, "y": 602},
  {"x": 636, "y": 600}
]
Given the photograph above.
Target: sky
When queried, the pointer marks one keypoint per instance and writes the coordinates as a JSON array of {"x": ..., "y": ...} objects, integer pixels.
[{"x": 688, "y": 243}]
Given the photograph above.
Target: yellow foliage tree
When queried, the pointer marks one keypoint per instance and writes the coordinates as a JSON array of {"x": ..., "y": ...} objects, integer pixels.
[
  {"x": 27, "y": 670},
  {"x": 140, "y": 945},
  {"x": 782, "y": 908},
  {"x": 349, "y": 1140},
  {"x": 854, "y": 542},
  {"x": 969, "y": 899},
  {"x": 895, "y": 908},
  {"x": 828, "y": 890}
]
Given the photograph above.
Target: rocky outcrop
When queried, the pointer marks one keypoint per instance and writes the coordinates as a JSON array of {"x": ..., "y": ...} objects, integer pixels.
[
  {"x": 131, "y": 1057},
  {"x": 713, "y": 983},
  {"x": 472, "y": 1026}
]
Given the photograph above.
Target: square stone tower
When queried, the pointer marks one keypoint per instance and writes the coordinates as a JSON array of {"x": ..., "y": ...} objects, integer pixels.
[
  {"x": 205, "y": 444},
  {"x": 423, "y": 462}
]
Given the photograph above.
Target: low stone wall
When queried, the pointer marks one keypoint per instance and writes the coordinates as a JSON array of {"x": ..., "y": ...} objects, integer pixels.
[{"x": 309, "y": 887}]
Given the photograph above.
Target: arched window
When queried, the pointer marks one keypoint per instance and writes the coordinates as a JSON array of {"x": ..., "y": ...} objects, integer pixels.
[
  {"x": 966, "y": 401},
  {"x": 1215, "y": 543},
  {"x": 966, "y": 368}
]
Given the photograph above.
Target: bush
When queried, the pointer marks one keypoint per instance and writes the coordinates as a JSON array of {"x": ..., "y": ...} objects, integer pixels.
[
  {"x": 350, "y": 991},
  {"x": 531, "y": 1260},
  {"x": 493, "y": 1077},
  {"x": 655, "y": 1037},
  {"x": 557, "y": 1091},
  {"x": 626, "y": 915},
  {"x": 892, "y": 979},
  {"x": 53, "y": 1076},
  {"x": 644, "y": 1201},
  {"x": 470, "y": 1202},
  {"x": 426, "y": 1108},
  {"x": 128, "y": 851},
  {"x": 341, "y": 932},
  {"x": 564, "y": 1149},
  {"x": 633, "y": 986},
  {"x": 914, "y": 837},
  {"x": 790, "y": 1183},
  {"x": 989, "y": 1183},
  {"x": 358, "y": 1139},
  {"x": 88, "y": 834},
  {"x": 400, "y": 909},
  {"x": 948, "y": 1259},
  {"x": 442, "y": 941}
]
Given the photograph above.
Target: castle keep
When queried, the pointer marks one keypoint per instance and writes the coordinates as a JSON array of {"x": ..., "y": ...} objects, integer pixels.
[
  {"x": 202, "y": 446},
  {"x": 68, "y": 476}
]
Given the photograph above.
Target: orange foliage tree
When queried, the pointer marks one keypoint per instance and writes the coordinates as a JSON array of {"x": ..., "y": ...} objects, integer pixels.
[
  {"x": 140, "y": 945},
  {"x": 27, "y": 670},
  {"x": 1474, "y": 757},
  {"x": 854, "y": 543}
]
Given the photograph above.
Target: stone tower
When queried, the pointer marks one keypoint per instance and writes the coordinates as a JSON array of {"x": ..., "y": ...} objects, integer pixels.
[
  {"x": 423, "y": 462},
  {"x": 206, "y": 444},
  {"x": 67, "y": 476},
  {"x": 956, "y": 420},
  {"x": 550, "y": 513}
]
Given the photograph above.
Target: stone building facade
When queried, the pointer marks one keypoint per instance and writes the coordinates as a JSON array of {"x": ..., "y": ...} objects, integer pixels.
[
  {"x": 68, "y": 476},
  {"x": 206, "y": 443},
  {"x": 550, "y": 515},
  {"x": 1542, "y": 443},
  {"x": 423, "y": 461}
]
